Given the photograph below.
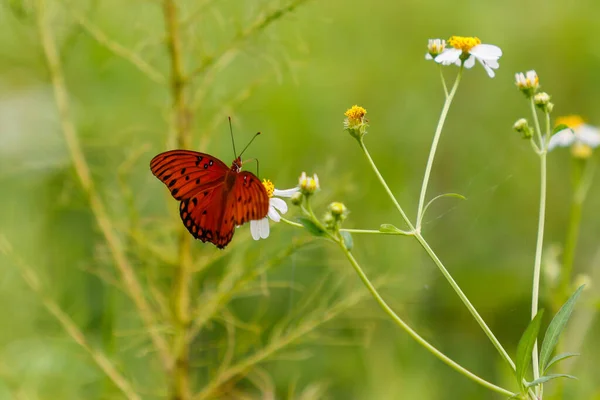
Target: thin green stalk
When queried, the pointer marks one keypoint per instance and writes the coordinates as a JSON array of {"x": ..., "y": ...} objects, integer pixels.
[
  {"x": 570, "y": 245},
  {"x": 432, "y": 151},
  {"x": 358, "y": 231},
  {"x": 384, "y": 184},
  {"x": 582, "y": 177},
  {"x": 535, "y": 292},
  {"x": 443, "y": 80},
  {"x": 465, "y": 300},
  {"x": 439, "y": 264},
  {"x": 386, "y": 308}
]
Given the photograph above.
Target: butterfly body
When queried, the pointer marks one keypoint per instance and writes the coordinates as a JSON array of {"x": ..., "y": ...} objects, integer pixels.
[{"x": 214, "y": 198}]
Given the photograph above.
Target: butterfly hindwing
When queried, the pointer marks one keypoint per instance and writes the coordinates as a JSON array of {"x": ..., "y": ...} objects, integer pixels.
[
  {"x": 187, "y": 172},
  {"x": 248, "y": 199},
  {"x": 202, "y": 215}
]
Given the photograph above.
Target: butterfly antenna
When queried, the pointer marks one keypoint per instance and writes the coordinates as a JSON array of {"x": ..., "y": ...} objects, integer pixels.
[
  {"x": 249, "y": 143},
  {"x": 232, "y": 141}
]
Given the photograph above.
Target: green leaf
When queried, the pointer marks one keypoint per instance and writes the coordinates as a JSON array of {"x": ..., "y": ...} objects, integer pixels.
[
  {"x": 546, "y": 378},
  {"x": 556, "y": 327},
  {"x": 525, "y": 347},
  {"x": 559, "y": 357},
  {"x": 559, "y": 128},
  {"x": 455, "y": 195},
  {"x": 389, "y": 228},
  {"x": 311, "y": 226},
  {"x": 348, "y": 242}
]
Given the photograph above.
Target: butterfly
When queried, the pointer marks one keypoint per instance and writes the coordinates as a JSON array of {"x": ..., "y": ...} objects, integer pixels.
[{"x": 214, "y": 198}]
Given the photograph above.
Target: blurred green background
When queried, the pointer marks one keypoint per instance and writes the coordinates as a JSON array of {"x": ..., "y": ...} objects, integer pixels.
[{"x": 292, "y": 80}]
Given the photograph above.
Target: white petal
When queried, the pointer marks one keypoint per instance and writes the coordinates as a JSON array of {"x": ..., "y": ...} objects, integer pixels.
[
  {"x": 286, "y": 192},
  {"x": 563, "y": 138},
  {"x": 470, "y": 62},
  {"x": 492, "y": 63},
  {"x": 278, "y": 204},
  {"x": 428, "y": 56},
  {"x": 448, "y": 56},
  {"x": 486, "y": 51},
  {"x": 588, "y": 134},
  {"x": 489, "y": 70},
  {"x": 255, "y": 229},
  {"x": 264, "y": 228},
  {"x": 273, "y": 214}
]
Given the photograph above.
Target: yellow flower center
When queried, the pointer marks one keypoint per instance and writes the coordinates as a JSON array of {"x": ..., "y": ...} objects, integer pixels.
[
  {"x": 355, "y": 114},
  {"x": 464, "y": 43},
  {"x": 581, "y": 150},
  {"x": 269, "y": 186},
  {"x": 572, "y": 121}
]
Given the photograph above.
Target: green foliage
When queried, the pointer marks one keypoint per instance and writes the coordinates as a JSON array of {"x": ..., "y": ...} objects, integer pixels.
[
  {"x": 546, "y": 378},
  {"x": 556, "y": 327},
  {"x": 310, "y": 226},
  {"x": 525, "y": 347},
  {"x": 348, "y": 241},
  {"x": 559, "y": 357}
]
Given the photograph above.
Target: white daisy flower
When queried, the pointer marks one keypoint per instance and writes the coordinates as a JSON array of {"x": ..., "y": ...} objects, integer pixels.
[
  {"x": 578, "y": 133},
  {"x": 260, "y": 228},
  {"x": 465, "y": 50}
]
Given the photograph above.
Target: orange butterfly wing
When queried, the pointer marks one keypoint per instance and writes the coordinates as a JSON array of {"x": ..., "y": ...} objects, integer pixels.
[
  {"x": 214, "y": 198},
  {"x": 213, "y": 214},
  {"x": 187, "y": 172}
]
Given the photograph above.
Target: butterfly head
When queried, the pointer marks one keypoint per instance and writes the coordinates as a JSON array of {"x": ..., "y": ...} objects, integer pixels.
[{"x": 236, "y": 165}]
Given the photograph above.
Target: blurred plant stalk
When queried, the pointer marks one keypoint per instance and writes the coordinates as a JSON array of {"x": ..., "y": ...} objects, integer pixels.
[
  {"x": 80, "y": 164},
  {"x": 181, "y": 121}
]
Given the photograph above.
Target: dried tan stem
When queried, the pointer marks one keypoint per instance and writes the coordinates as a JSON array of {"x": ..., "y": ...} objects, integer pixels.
[
  {"x": 181, "y": 122},
  {"x": 97, "y": 207}
]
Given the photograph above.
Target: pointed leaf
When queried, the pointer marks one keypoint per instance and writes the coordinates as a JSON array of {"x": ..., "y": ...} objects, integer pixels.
[
  {"x": 546, "y": 378},
  {"x": 559, "y": 357},
  {"x": 389, "y": 228},
  {"x": 559, "y": 128},
  {"x": 556, "y": 327},
  {"x": 455, "y": 195},
  {"x": 348, "y": 242},
  {"x": 311, "y": 226},
  {"x": 525, "y": 347}
]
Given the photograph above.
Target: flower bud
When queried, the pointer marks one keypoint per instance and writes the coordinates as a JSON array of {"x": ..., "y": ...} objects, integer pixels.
[
  {"x": 296, "y": 198},
  {"x": 308, "y": 185},
  {"x": 528, "y": 82},
  {"x": 542, "y": 101},
  {"x": 355, "y": 123},
  {"x": 522, "y": 126},
  {"x": 435, "y": 47},
  {"x": 338, "y": 210}
]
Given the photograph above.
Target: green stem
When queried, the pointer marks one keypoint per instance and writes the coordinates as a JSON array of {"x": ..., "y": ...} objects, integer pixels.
[
  {"x": 386, "y": 308},
  {"x": 434, "y": 144},
  {"x": 570, "y": 244},
  {"x": 465, "y": 300},
  {"x": 439, "y": 264},
  {"x": 443, "y": 80},
  {"x": 385, "y": 186},
  {"x": 359, "y": 231},
  {"x": 535, "y": 292}
]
